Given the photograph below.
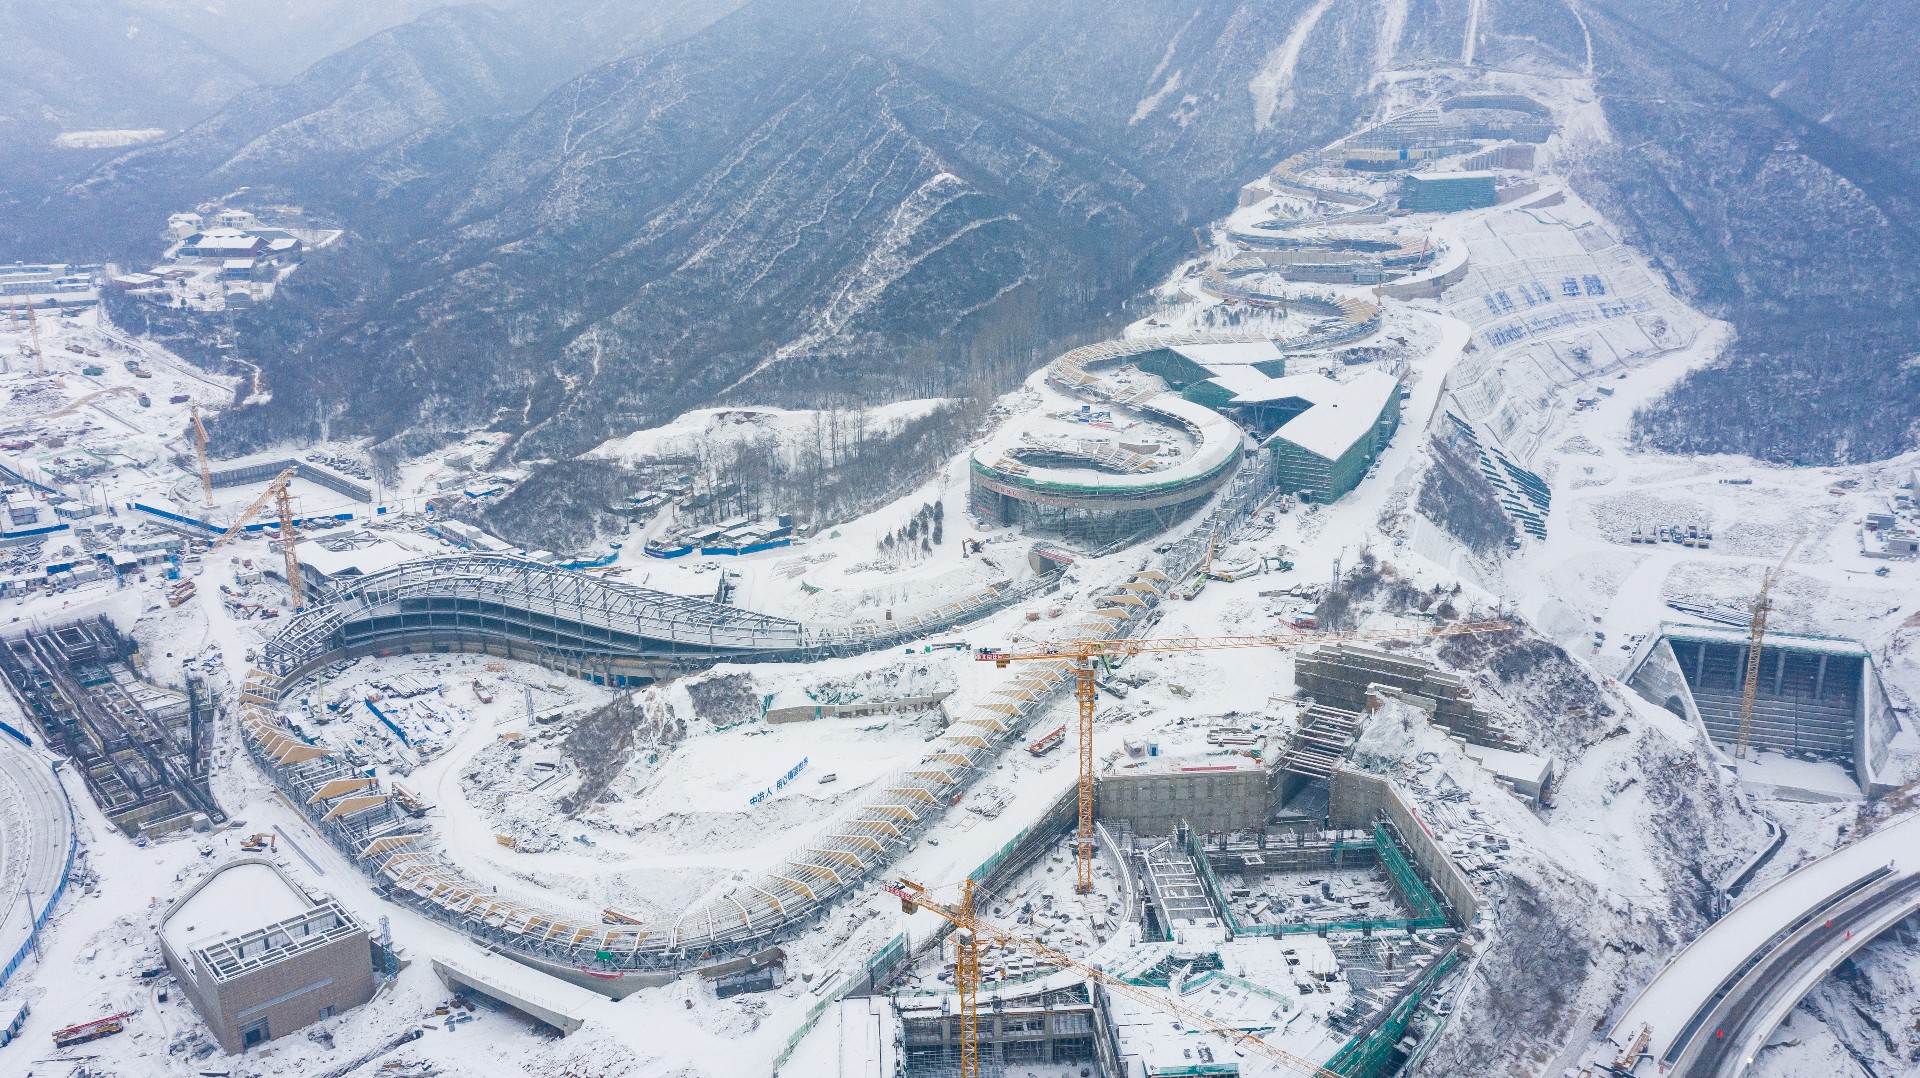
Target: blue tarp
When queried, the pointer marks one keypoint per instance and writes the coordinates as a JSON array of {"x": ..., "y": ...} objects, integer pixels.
[{"x": 382, "y": 716}]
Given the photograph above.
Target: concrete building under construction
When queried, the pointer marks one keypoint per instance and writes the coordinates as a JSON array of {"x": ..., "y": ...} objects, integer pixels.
[
  {"x": 1342, "y": 676},
  {"x": 1379, "y": 898},
  {"x": 141, "y": 748},
  {"x": 259, "y": 957},
  {"x": 1048, "y": 1028},
  {"x": 1818, "y": 698}
]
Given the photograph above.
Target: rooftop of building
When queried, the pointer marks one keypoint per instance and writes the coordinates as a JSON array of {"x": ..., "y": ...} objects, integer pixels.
[
  {"x": 247, "y": 915},
  {"x": 1525, "y": 767},
  {"x": 1231, "y": 354},
  {"x": 1417, "y": 178},
  {"x": 1342, "y": 412},
  {"x": 1715, "y": 634},
  {"x": 361, "y": 559}
]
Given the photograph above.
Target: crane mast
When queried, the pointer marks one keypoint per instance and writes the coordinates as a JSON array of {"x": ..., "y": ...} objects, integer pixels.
[
  {"x": 200, "y": 447},
  {"x": 1081, "y": 654},
  {"x": 966, "y": 980},
  {"x": 970, "y": 929},
  {"x": 33, "y": 328},
  {"x": 277, "y": 493},
  {"x": 1756, "y": 634},
  {"x": 287, "y": 542}
]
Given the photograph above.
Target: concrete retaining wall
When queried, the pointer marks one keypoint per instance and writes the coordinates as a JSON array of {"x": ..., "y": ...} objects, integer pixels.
[
  {"x": 1356, "y": 799},
  {"x": 1157, "y": 802}
]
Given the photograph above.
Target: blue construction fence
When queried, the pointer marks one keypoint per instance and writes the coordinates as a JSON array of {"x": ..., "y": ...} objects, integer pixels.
[
  {"x": 53, "y": 900},
  {"x": 214, "y": 530},
  {"x": 652, "y": 551}
]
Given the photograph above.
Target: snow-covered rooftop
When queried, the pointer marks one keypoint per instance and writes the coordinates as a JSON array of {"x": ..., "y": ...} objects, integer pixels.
[
  {"x": 234, "y": 901},
  {"x": 355, "y": 561},
  {"x": 1714, "y": 634},
  {"x": 1232, "y": 354},
  {"x": 1342, "y": 412}
]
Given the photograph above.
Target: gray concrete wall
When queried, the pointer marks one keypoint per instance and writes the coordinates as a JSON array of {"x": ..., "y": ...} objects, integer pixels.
[
  {"x": 1158, "y": 802},
  {"x": 1877, "y": 729},
  {"x": 1356, "y": 799},
  {"x": 292, "y": 993}
]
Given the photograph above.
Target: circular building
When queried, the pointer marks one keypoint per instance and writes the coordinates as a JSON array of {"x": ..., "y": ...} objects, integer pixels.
[{"x": 1110, "y": 455}]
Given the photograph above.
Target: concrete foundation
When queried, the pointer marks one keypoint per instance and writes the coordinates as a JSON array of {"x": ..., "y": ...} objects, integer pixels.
[
  {"x": 1357, "y": 799},
  {"x": 1206, "y": 797}
]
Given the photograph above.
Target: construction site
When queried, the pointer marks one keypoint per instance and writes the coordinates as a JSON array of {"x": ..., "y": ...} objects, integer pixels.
[
  {"x": 1201, "y": 746},
  {"x": 143, "y": 749}
]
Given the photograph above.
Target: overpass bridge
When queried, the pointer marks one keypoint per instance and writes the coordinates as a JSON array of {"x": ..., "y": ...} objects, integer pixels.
[{"x": 1711, "y": 1010}]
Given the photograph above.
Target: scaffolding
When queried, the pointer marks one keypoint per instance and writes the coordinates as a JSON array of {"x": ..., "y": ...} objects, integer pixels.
[
  {"x": 500, "y": 601},
  {"x": 481, "y": 597},
  {"x": 142, "y": 750}
]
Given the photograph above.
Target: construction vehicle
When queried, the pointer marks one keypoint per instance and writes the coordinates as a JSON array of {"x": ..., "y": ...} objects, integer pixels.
[
  {"x": 970, "y": 929},
  {"x": 1756, "y": 634},
  {"x": 276, "y": 492},
  {"x": 91, "y": 1031},
  {"x": 200, "y": 447},
  {"x": 1082, "y": 654},
  {"x": 262, "y": 841},
  {"x": 409, "y": 802},
  {"x": 1630, "y": 1055},
  {"x": 1049, "y": 741}
]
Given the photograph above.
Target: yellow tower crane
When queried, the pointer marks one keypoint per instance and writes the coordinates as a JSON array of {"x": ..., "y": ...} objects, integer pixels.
[
  {"x": 200, "y": 448},
  {"x": 33, "y": 328},
  {"x": 276, "y": 492},
  {"x": 1083, "y": 653},
  {"x": 287, "y": 543},
  {"x": 970, "y": 929},
  {"x": 1756, "y": 633}
]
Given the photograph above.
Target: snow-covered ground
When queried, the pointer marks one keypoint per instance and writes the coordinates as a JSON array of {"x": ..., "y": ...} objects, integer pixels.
[{"x": 683, "y": 819}]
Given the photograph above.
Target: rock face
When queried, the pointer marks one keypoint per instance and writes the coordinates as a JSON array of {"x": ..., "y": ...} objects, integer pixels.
[{"x": 1595, "y": 892}]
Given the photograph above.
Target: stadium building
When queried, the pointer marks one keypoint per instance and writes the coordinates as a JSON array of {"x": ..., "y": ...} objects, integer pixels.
[
  {"x": 1818, "y": 698},
  {"x": 1114, "y": 455},
  {"x": 1448, "y": 192}
]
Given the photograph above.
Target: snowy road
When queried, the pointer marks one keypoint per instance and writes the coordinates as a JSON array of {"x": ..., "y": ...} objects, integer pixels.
[
  {"x": 36, "y": 829},
  {"x": 1694, "y": 977}
]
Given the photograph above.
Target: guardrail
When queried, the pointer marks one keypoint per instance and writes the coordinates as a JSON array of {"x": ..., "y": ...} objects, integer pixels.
[
  {"x": 46, "y": 911},
  {"x": 880, "y": 966}
]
